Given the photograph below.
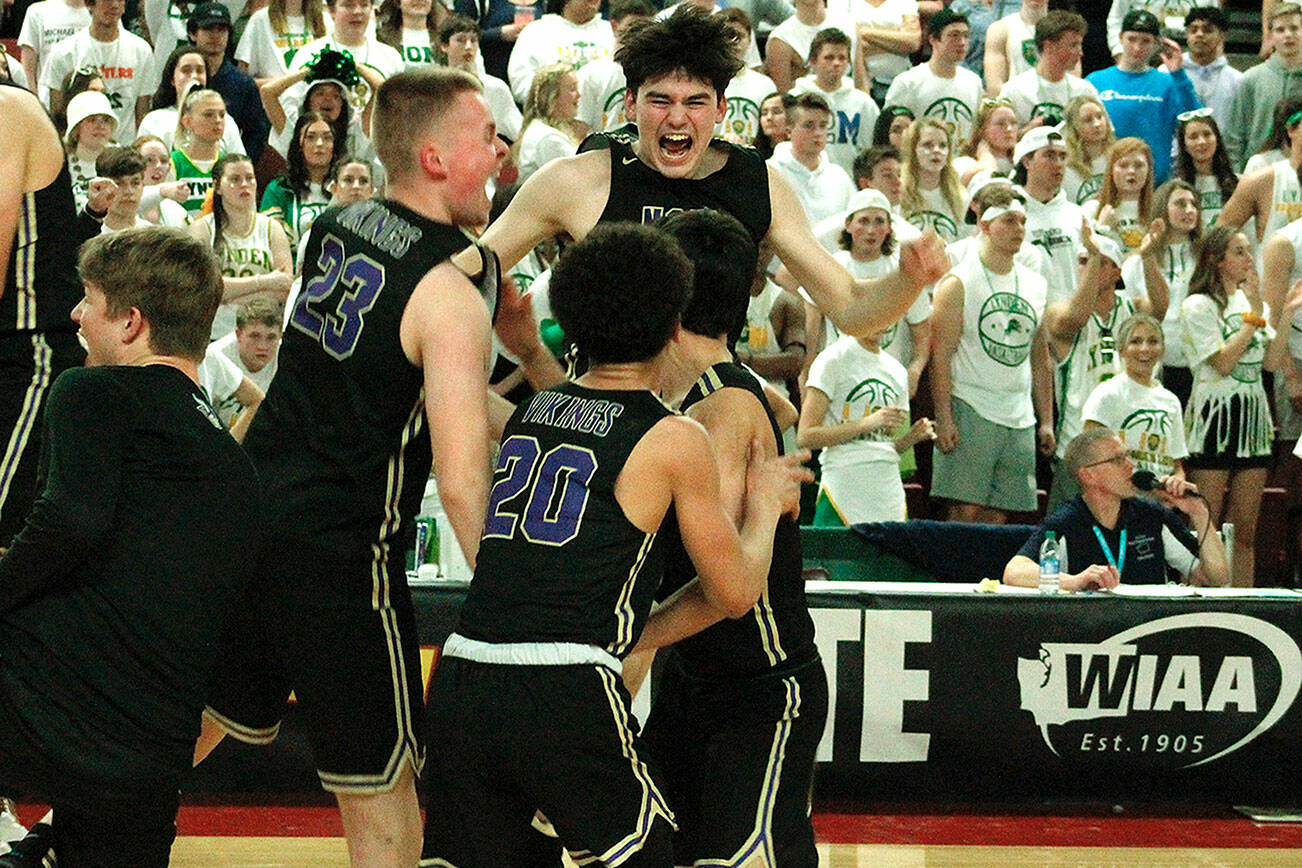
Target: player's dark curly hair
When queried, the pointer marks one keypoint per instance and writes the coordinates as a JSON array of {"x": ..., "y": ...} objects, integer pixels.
[
  {"x": 619, "y": 292},
  {"x": 724, "y": 258},
  {"x": 692, "y": 41}
]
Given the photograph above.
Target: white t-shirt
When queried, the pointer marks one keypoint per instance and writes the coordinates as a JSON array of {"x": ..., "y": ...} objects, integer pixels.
[
  {"x": 800, "y": 36},
  {"x": 229, "y": 347},
  {"x": 126, "y": 65},
  {"x": 1177, "y": 263},
  {"x": 854, "y": 114},
  {"x": 1033, "y": 96},
  {"x": 951, "y": 100},
  {"x": 1054, "y": 227},
  {"x": 162, "y": 123},
  {"x": 506, "y": 114},
  {"x": 861, "y": 477},
  {"x": 220, "y": 379},
  {"x": 1206, "y": 329},
  {"x": 555, "y": 39},
  {"x": 601, "y": 95},
  {"x": 1019, "y": 48},
  {"x": 540, "y": 143},
  {"x": 937, "y": 213},
  {"x": 1129, "y": 230},
  {"x": 823, "y": 192},
  {"x": 992, "y": 365},
  {"x": 417, "y": 49},
  {"x": 883, "y": 66},
  {"x": 1091, "y": 360},
  {"x": 1148, "y": 419},
  {"x": 1261, "y": 161},
  {"x": 241, "y": 256},
  {"x": 45, "y": 25},
  {"x": 267, "y": 52},
  {"x": 744, "y": 94},
  {"x": 1078, "y": 188}
]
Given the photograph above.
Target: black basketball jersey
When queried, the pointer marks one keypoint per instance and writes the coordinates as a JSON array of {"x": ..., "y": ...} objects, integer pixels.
[
  {"x": 559, "y": 561},
  {"x": 340, "y": 441},
  {"x": 41, "y": 283},
  {"x": 778, "y": 632},
  {"x": 641, "y": 194}
]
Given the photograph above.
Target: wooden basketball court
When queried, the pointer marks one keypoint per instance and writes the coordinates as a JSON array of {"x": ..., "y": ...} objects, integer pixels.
[
  {"x": 851, "y": 836},
  {"x": 201, "y": 852}
]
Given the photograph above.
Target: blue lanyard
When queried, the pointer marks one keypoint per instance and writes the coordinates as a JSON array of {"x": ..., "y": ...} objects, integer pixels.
[{"x": 1117, "y": 563}]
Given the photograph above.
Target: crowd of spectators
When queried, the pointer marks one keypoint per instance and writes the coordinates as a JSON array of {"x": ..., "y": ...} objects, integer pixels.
[{"x": 1124, "y": 238}]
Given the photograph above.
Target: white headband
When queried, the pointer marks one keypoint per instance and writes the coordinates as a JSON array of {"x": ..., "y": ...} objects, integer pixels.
[{"x": 994, "y": 212}]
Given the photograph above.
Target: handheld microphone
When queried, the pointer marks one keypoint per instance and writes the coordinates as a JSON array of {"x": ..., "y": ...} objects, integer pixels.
[{"x": 1145, "y": 480}]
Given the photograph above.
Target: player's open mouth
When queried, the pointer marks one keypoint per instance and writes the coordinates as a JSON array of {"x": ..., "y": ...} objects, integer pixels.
[{"x": 676, "y": 144}]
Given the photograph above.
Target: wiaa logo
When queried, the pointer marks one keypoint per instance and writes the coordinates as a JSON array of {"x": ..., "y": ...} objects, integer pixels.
[{"x": 1176, "y": 692}]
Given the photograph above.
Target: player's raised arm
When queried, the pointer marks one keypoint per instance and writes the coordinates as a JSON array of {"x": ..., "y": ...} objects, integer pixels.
[
  {"x": 561, "y": 198},
  {"x": 860, "y": 306}
]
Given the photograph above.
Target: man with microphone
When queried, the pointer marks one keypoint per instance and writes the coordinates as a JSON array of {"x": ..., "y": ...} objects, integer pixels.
[{"x": 1114, "y": 535}]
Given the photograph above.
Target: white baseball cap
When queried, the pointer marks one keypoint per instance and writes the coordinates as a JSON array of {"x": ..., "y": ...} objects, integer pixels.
[{"x": 1034, "y": 139}]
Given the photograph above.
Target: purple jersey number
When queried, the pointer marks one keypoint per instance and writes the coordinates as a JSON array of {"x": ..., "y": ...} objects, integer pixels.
[{"x": 557, "y": 483}]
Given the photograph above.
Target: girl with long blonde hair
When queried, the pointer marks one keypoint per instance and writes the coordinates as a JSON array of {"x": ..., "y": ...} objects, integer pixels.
[{"x": 933, "y": 196}]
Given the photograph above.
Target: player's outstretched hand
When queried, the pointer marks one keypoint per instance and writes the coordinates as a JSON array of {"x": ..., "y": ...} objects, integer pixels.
[
  {"x": 775, "y": 481},
  {"x": 923, "y": 260}
]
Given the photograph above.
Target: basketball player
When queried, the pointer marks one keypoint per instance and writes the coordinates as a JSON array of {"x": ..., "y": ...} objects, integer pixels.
[
  {"x": 387, "y": 337},
  {"x": 527, "y": 709},
  {"x": 678, "y": 69},
  {"x": 39, "y": 236},
  {"x": 740, "y": 708}
]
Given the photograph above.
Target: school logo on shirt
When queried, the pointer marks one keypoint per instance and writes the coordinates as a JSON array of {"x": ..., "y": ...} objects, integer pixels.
[
  {"x": 953, "y": 111},
  {"x": 867, "y": 398},
  {"x": 1144, "y": 433},
  {"x": 1089, "y": 188},
  {"x": 1006, "y": 324},
  {"x": 742, "y": 119},
  {"x": 1029, "y": 54},
  {"x": 888, "y": 336},
  {"x": 612, "y": 113},
  {"x": 576, "y": 54},
  {"x": 944, "y": 224},
  {"x": 1248, "y": 370},
  {"x": 418, "y": 53},
  {"x": 290, "y": 43},
  {"x": 873, "y": 391}
]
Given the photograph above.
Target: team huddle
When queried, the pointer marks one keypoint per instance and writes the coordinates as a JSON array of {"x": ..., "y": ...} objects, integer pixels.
[{"x": 614, "y": 499}]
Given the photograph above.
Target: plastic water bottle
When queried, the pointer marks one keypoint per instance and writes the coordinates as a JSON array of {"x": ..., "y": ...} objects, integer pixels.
[
  {"x": 1050, "y": 563},
  {"x": 427, "y": 533}
]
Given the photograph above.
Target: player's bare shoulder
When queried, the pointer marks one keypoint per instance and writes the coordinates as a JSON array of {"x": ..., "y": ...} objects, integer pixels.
[
  {"x": 576, "y": 189},
  {"x": 28, "y": 139}
]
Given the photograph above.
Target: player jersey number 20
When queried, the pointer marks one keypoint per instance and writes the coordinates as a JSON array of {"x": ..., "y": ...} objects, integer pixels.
[
  {"x": 552, "y": 487},
  {"x": 335, "y": 319}
]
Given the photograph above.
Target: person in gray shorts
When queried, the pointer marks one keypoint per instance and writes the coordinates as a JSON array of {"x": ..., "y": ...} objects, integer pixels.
[{"x": 987, "y": 338}]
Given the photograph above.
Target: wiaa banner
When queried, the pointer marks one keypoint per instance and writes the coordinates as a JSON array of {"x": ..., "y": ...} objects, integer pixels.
[{"x": 997, "y": 698}]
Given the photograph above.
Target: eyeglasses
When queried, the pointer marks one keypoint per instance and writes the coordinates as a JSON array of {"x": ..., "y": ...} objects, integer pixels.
[
  {"x": 996, "y": 101},
  {"x": 1115, "y": 459},
  {"x": 1185, "y": 117}
]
